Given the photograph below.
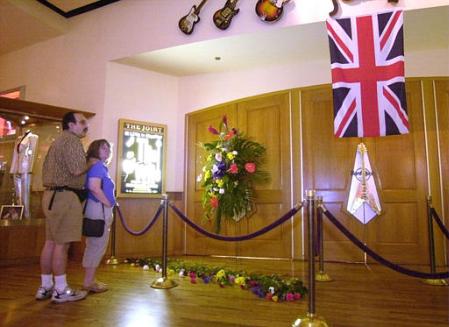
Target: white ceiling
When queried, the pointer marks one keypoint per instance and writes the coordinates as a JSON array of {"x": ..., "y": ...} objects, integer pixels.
[
  {"x": 33, "y": 22},
  {"x": 423, "y": 29}
]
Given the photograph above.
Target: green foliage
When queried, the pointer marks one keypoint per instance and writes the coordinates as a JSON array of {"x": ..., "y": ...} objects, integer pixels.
[{"x": 230, "y": 171}]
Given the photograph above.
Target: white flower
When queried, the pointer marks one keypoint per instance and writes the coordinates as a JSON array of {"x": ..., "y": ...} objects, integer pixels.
[
  {"x": 204, "y": 169},
  {"x": 221, "y": 191},
  {"x": 236, "y": 183},
  {"x": 146, "y": 267},
  {"x": 214, "y": 168},
  {"x": 235, "y": 153},
  {"x": 218, "y": 156},
  {"x": 199, "y": 178},
  {"x": 271, "y": 289},
  {"x": 181, "y": 273}
]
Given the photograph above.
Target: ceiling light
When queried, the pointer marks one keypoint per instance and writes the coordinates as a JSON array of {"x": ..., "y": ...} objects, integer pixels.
[
  {"x": 26, "y": 117},
  {"x": 23, "y": 122}
]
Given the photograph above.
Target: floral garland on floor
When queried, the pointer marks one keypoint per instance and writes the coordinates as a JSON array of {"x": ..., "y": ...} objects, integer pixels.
[
  {"x": 230, "y": 171},
  {"x": 271, "y": 287}
]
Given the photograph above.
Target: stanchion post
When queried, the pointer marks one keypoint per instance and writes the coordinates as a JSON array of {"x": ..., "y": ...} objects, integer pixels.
[
  {"x": 113, "y": 260},
  {"x": 311, "y": 319},
  {"x": 434, "y": 282},
  {"x": 321, "y": 276},
  {"x": 164, "y": 282}
]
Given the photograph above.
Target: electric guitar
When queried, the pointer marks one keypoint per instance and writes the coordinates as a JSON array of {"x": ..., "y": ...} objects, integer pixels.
[
  {"x": 187, "y": 23},
  {"x": 270, "y": 10},
  {"x": 223, "y": 17}
]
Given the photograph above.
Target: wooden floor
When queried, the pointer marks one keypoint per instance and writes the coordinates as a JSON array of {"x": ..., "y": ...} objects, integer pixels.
[{"x": 358, "y": 296}]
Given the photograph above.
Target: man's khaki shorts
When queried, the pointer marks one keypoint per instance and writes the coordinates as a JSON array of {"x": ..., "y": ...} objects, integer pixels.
[{"x": 64, "y": 220}]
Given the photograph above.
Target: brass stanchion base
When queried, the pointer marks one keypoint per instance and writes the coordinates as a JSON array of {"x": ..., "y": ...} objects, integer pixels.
[
  {"x": 310, "y": 320},
  {"x": 163, "y": 283},
  {"x": 112, "y": 261},
  {"x": 435, "y": 282},
  {"x": 322, "y": 277}
]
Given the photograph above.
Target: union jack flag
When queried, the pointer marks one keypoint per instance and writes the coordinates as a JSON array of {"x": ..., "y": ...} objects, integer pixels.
[{"x": 367, "y": 64}]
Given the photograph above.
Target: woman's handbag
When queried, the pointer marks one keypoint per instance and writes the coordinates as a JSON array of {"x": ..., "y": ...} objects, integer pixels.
[{"x": 93, "y": 227}]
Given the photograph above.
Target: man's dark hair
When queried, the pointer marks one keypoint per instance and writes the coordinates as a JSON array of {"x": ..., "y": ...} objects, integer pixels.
[{"x": 68, "y": 118}]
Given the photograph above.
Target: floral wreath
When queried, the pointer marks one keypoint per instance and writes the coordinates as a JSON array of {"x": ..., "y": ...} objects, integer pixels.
[{"x": 228, "y": 176}]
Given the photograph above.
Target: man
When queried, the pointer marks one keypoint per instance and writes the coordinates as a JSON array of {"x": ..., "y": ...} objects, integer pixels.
[{"x": 63, "y": 177}]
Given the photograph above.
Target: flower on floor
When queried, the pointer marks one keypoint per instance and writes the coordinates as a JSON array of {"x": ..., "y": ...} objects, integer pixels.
[
  {"x": 228, "y": 176},
  {"x": 270, "y": 287}
]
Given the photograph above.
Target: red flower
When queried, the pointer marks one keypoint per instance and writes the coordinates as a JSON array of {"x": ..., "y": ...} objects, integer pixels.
[
  {"x": 289, "y": 297},
  {"x": 233, "y": 169},
  {"x": 230, "y": 135},
  {"x": 214, "y": 202},
  {"x": 297, "y": 296},
  {"x": 213, "y": 130},
  {"x": 250, "y": 167},
  {"x": 225, "y": 120},
  {"x": 269, "y": 296}
]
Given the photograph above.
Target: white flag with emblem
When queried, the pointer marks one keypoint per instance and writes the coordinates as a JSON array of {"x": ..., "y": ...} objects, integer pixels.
[{"x": 363, "y": 202}]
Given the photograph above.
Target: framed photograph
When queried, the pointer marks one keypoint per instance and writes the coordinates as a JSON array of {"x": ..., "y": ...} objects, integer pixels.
[
  {"x": 141, "y": 159},
  {"x": 12, "y": 212}
]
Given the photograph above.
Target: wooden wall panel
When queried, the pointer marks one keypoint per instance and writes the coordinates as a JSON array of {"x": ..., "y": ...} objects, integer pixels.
[
  {"x": 442, "y": 110},
  {"x": 400, "y": 165},
  {"x": 266, "y": 120},
  {"x": 328, "y": 162},
  {"x": 400, "y": 233},
  {"x": 197, "y": 133}
]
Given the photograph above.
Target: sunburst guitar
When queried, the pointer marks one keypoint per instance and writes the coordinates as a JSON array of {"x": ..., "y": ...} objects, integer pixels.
[
  {"x": 187, "y": 23},
  {"x": 223, "y": 17},
  {"x": 270, "y": 10}
]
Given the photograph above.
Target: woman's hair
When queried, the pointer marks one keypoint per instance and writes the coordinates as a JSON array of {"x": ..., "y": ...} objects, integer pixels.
[{"x": 94, "y": 149}]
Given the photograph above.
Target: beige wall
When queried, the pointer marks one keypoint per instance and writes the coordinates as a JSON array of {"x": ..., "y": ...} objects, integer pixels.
[{"x": 74, "y": 70}]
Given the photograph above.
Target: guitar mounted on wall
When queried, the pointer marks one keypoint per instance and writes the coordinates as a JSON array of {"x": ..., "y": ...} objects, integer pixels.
[
  {"x": 223, "y": 17},
  {"x": 270, "y": 10},
  {"x": 187, "y": 23}
]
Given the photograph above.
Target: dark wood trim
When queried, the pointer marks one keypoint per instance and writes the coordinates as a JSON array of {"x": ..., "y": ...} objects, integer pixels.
[
  {"x": 38, "y": 110},
  {"x": 77, "y": 11}
]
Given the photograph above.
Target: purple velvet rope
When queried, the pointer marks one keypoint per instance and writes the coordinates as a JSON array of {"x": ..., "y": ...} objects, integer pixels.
[
  {"x": 378, "y": 258},
  {"x": 264, "y": 230},
  {"x": 440, "y": 223},
  {"x": 146, "y": 228}
]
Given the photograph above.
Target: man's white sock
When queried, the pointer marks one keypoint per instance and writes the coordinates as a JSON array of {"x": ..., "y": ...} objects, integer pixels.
[
  {"x": 47, "y": 281},
  {"x": 60, "y": 283}
]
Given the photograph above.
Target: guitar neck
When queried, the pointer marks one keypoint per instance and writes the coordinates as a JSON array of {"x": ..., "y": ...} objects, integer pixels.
[{"x": 198, "y": 9}]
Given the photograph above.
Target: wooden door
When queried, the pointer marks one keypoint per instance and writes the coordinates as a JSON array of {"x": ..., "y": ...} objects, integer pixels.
[
  {"x": 265, "y": 120},
  {"x": 400, "y": 234},
  {"x": 197, "y": 133},
  {"x": 399, "y": 161},
  {"x": 327, "y": 163}
]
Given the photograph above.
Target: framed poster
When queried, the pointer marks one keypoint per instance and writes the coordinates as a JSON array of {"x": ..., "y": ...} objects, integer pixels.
[
  {"x": 13, "y": 212},
  {"x": 141, "y": 159}
]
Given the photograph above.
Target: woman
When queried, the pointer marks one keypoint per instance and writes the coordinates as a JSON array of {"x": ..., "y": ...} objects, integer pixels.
[{"x": 99, "y": 204}]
